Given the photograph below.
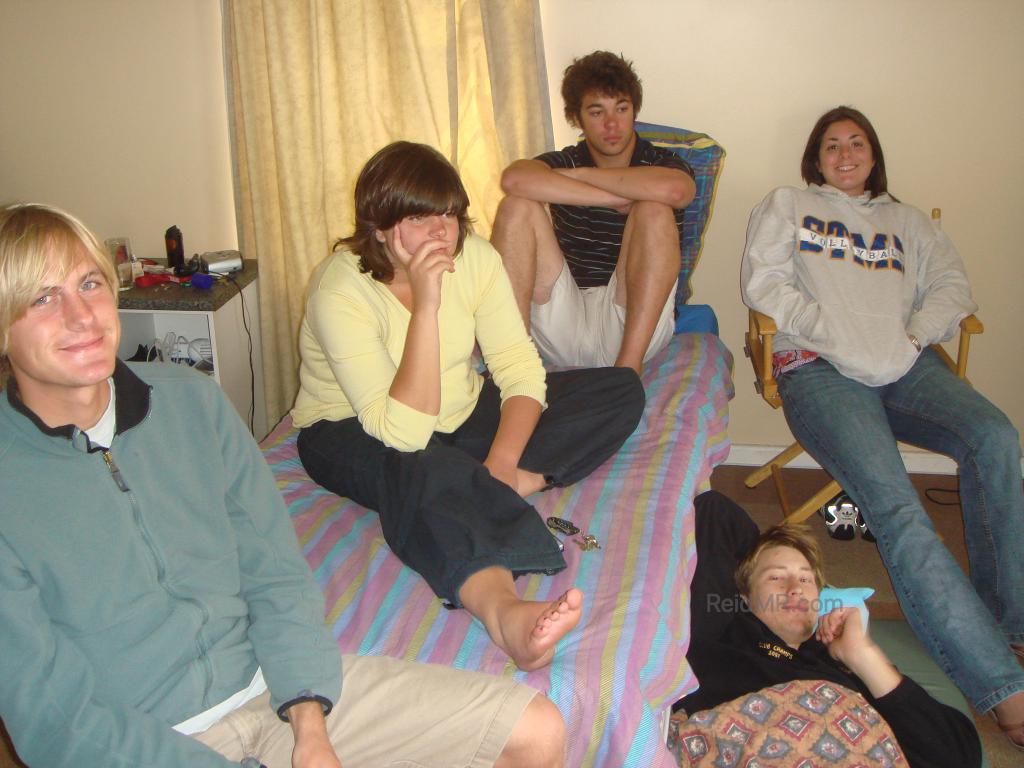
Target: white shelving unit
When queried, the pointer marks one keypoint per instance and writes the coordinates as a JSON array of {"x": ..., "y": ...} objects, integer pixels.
[{"x": 222, "y": 323}]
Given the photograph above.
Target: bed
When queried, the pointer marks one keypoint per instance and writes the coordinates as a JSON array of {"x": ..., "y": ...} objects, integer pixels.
[{"x": 613, "y": 677}]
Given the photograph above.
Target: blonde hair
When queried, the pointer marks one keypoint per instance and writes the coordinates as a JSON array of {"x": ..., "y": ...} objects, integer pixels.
[
  {"x": 794, "y": 536},
  {"x": 35, "y": 240}
]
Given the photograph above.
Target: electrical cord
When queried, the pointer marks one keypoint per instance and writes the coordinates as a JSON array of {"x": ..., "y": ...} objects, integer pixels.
[
  {"x": 930, "y": 494},
  {"x": 252, "y": 370}
]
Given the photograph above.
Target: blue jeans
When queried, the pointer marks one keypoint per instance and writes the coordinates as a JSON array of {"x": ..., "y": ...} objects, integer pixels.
[{"x": 851, "y": 430}]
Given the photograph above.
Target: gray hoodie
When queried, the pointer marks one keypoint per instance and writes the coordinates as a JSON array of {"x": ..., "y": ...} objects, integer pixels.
[{"x": 850, "y": 277}]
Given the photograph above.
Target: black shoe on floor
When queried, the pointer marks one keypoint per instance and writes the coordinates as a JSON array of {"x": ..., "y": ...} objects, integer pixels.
[
  {"x": 840, "y": 517},
  {"x": 865, "y": 532}
]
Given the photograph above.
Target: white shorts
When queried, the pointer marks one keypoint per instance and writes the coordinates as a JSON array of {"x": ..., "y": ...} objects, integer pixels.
[{"x": 583, "y": 326}]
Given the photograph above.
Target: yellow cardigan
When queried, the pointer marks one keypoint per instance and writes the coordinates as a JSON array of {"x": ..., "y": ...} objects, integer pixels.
[{"x": 353, "y": 334}]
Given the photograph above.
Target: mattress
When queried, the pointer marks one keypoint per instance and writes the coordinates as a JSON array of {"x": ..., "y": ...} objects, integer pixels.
[{"x": 616, "y": 674}]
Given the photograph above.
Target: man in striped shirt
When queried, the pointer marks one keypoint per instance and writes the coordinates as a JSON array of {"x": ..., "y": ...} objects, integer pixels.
[{"x": 590, "y": 234}]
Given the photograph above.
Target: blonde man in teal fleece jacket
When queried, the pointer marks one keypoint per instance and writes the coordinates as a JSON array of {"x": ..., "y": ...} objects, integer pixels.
[{"x": 153, "y": 599}]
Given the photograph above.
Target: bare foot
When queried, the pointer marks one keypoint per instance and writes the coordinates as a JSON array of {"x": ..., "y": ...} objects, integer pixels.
[
  {"x": 1009, "y": 713},
  {"x": 528, "y": 630}
]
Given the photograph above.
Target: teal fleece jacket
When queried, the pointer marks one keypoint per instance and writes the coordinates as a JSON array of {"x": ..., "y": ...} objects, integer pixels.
[{"x": 141, "y": 585}]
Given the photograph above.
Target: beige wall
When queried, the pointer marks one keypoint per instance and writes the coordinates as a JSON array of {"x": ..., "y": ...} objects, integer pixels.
[
  {"x": 942, "y": 81},
  {"x": 115, "y": 110}
]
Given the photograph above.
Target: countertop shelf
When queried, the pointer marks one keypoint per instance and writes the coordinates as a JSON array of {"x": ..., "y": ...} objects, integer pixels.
[
  {"x": 225, "y": 316},
  {"x": 178, "y": 297}
]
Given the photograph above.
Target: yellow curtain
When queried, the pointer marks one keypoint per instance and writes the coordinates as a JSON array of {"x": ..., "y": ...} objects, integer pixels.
[{"x": 317, "y": 86}]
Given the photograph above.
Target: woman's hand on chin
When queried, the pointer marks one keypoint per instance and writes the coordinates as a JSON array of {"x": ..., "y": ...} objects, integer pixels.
[{"x": 423, "y": 268}]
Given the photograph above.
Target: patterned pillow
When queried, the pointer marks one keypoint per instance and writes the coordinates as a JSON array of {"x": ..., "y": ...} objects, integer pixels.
[
  {"x": 705, "y": 156},
  {"x": 803, "y": 724}
]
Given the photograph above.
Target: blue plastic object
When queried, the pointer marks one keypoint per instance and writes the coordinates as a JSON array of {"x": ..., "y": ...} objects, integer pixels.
[
  {"x": 696, "y": 318},
  {"x": 849, "y": 597}
]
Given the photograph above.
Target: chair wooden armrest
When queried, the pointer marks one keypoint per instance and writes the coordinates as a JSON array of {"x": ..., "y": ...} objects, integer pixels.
[
  {"x": 760, "y": 332},
  {"x": 764, "y": 324},
  {"x": 969, "y": 326}
]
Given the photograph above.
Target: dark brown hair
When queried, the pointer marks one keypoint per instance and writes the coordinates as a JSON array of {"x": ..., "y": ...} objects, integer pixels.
[
  {"x": 794, "y": 536},
  {"x": 402, "y": 179},
  {"x": 600, "y": 71},
  {"x": 877, "y": 182}
]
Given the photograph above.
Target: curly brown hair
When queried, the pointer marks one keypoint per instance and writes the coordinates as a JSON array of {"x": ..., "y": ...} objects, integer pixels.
[
  {"x": 607, "y": 73},
  {"x": 402, "y": 179}
]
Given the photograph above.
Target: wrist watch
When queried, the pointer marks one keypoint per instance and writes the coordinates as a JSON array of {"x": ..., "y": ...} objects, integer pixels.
[{"x": 914, "y": 341}]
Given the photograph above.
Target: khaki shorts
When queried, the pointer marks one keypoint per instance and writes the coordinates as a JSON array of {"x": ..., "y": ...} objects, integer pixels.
[
  {"x": 391, "y": 713},
  {"x": 583, "y": 326}
]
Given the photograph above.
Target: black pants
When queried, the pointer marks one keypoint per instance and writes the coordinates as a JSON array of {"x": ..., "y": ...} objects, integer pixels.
[{"x": 441, "y": 511}]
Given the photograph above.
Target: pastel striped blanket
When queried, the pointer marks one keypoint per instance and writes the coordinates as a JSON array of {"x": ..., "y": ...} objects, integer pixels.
[{"x": 615, "y": 675}]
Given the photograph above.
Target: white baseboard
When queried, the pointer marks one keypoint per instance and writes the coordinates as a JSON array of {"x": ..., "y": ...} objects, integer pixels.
[{"x": 915, "y": 461}]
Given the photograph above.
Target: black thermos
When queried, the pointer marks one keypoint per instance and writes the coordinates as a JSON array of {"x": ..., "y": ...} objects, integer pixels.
[{"x": 175, "y": 248}]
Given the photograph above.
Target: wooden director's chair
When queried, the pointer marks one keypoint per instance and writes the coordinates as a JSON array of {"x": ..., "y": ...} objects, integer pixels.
[{"x": 758, "y": 347}]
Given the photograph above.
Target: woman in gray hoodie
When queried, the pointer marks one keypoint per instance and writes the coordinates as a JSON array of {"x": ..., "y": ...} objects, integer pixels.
[{"x": 860, "y": 285}]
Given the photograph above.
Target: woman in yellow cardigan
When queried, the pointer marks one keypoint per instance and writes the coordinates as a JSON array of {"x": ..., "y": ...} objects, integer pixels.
[{"x": 395, "y": 415}]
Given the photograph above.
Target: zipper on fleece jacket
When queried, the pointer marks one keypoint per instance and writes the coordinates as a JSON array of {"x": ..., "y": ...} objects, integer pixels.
[
  {"x": 161, "y": 572},
  {"x": 114, "y": 471}
]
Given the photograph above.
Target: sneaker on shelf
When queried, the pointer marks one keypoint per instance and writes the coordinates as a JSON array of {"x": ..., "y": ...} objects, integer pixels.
[
  {"x": 840, "y": 517},
  {"x": 865, "y": 532}
]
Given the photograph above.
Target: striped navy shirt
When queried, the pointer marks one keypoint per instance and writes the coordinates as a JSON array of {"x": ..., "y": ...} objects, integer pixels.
[{"x": 591, "y": 236}]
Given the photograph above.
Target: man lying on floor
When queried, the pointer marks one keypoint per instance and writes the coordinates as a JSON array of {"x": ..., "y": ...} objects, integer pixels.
[{"x": 775, "y": 638}]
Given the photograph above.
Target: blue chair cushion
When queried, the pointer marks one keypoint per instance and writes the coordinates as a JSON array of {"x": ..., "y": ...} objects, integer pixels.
[
  {"x": 705, "y": 156},
  {"x": 696, "y": 318}
]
